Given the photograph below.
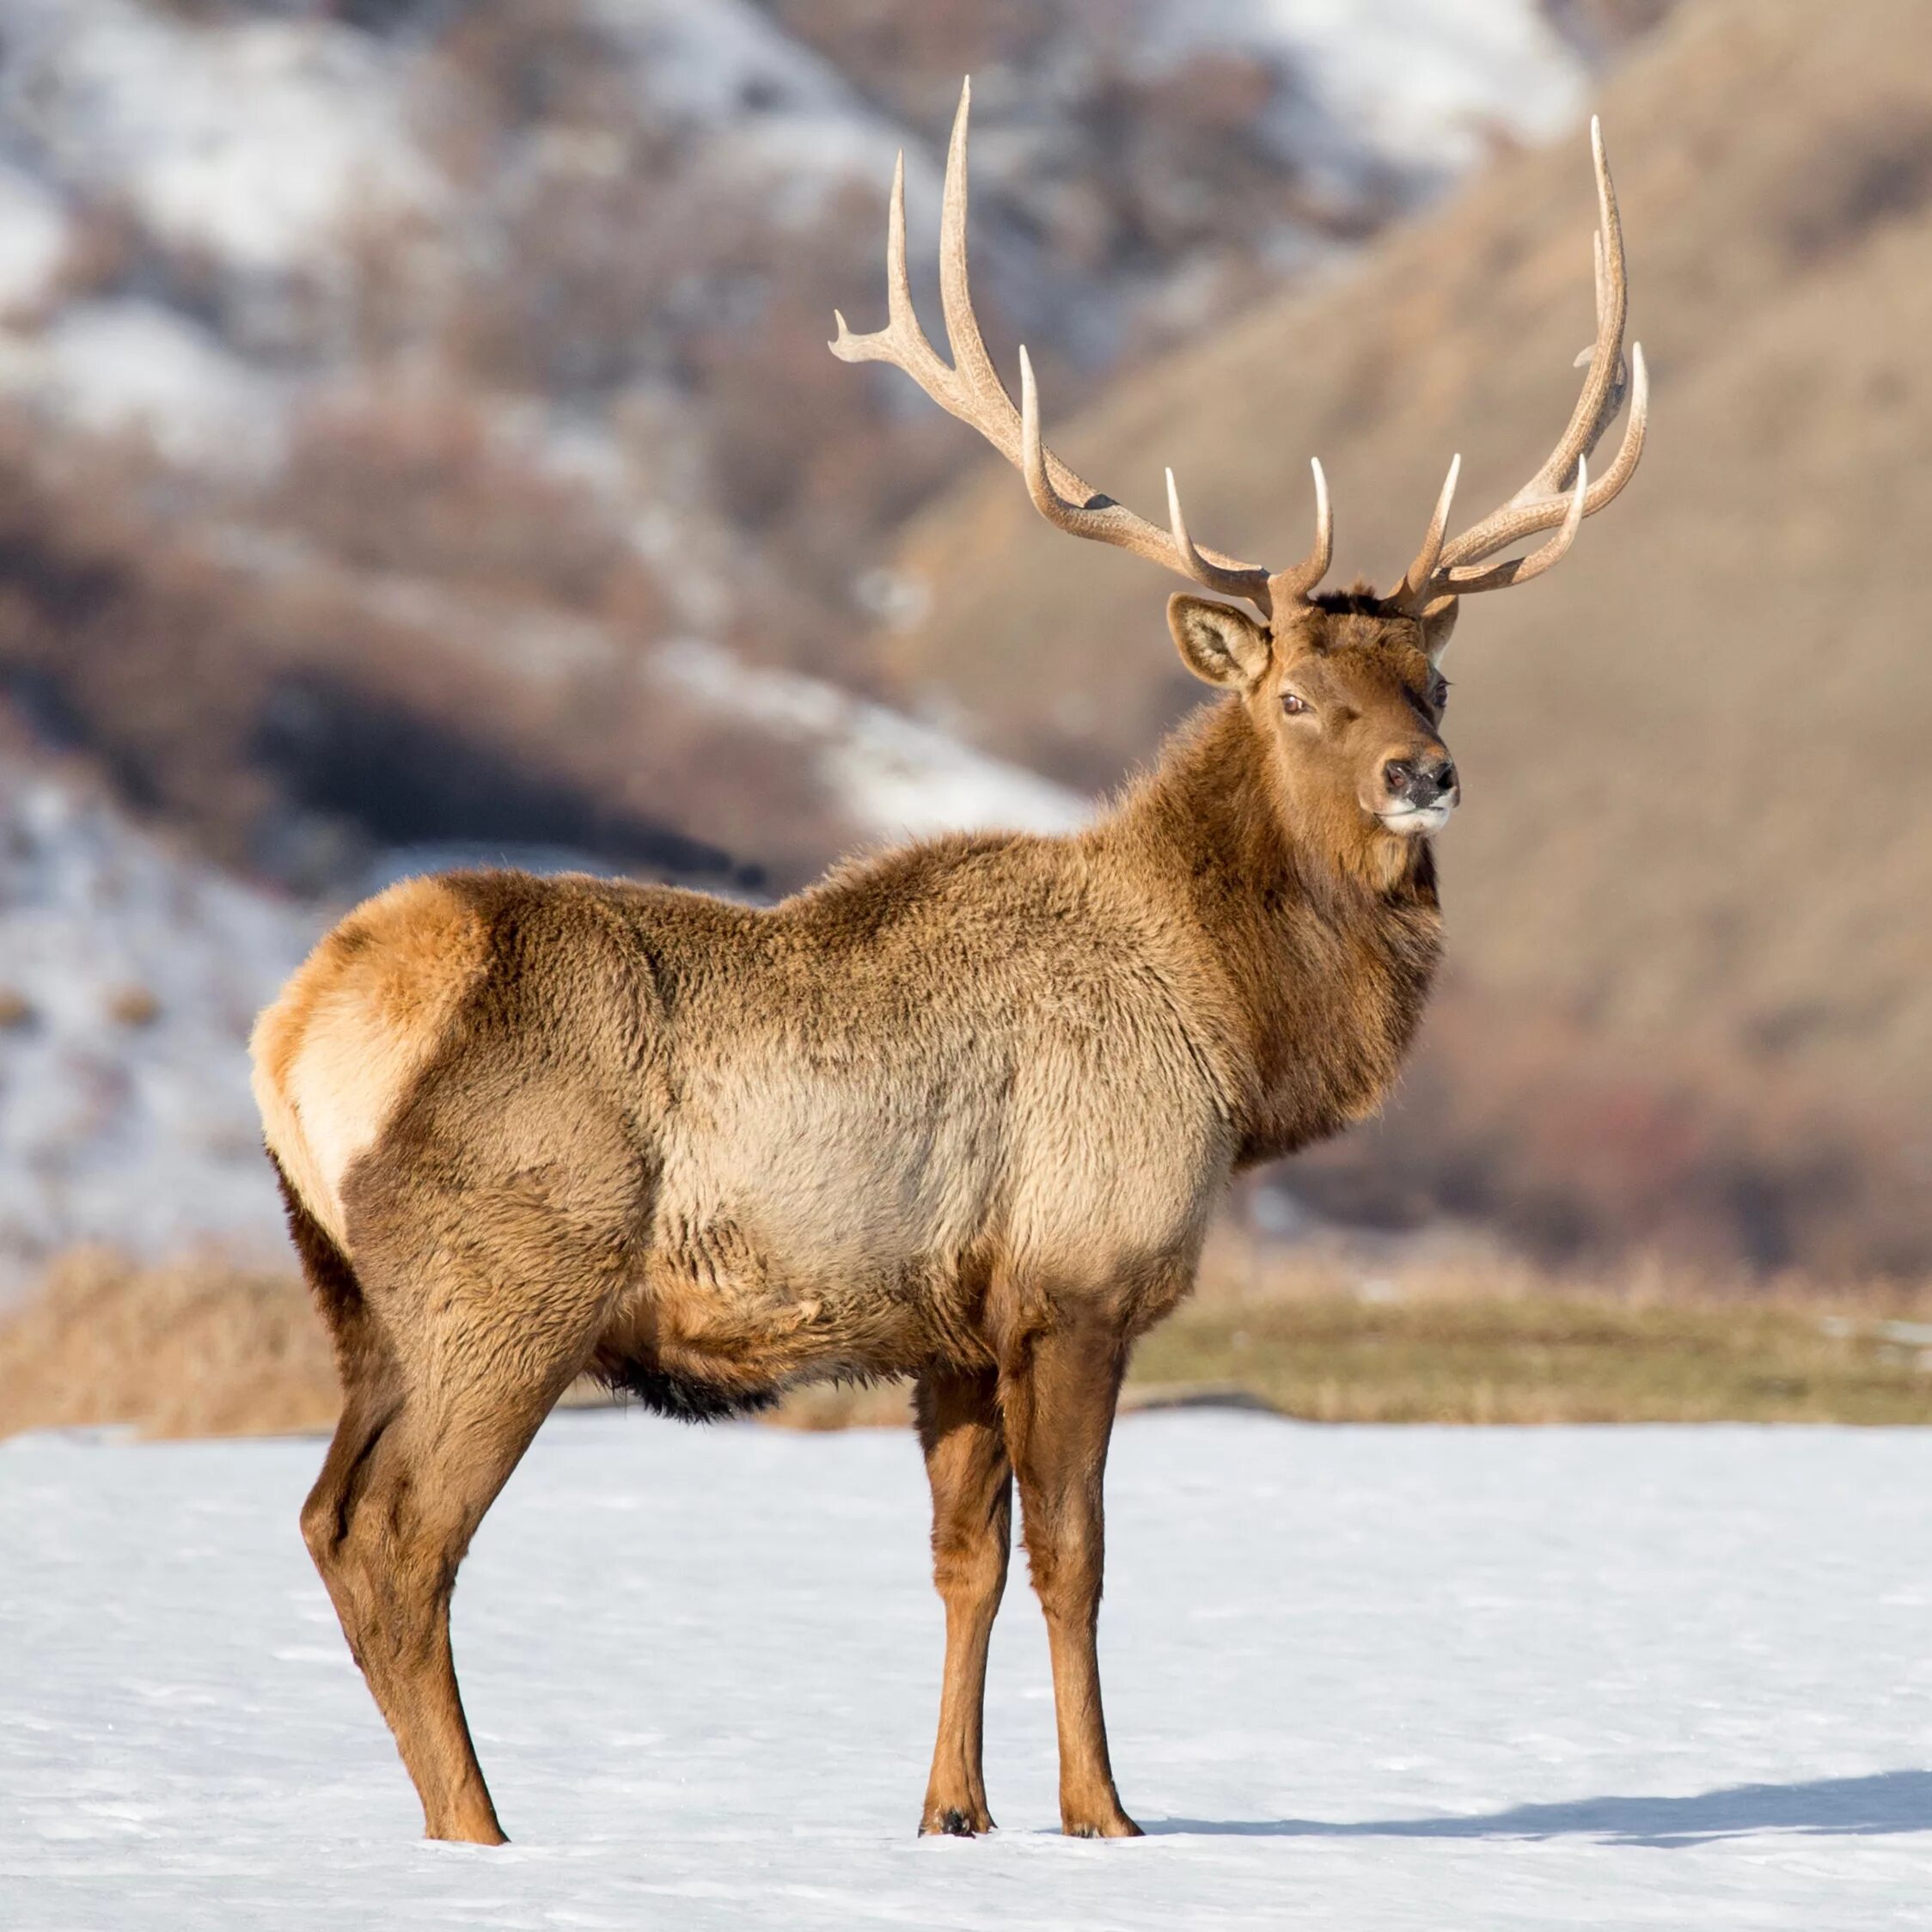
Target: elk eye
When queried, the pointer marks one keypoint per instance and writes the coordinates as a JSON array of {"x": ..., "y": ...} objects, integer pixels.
[{"x": 1292, "y": 702}]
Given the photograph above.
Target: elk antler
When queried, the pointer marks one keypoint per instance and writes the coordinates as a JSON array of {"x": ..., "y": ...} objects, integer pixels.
[
  {"x": 1560, "y": 495},
  {"x": 971, "y": 389}
]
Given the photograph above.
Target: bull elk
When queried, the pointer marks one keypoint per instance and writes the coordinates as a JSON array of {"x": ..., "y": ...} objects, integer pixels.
[{"x": 960, "y": 1112}]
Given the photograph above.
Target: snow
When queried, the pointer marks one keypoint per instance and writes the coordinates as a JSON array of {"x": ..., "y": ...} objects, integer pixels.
[
  {"x": 253, "y": 138},
  {"x": 1412, "y": 84},
  {"x": 1408, "y": 85},
  {"x": 140, "y": 1132},
  {"x": 893, "y": 776},
  {"x": 1371, "y": 1678},
  {"x": 759, "y": 112},
  {"x": 779, "y": 111},
  {"x": 711, "y": 60},
  {"x": 136, "y": 364},
  {"x": 32, "y": 235}
]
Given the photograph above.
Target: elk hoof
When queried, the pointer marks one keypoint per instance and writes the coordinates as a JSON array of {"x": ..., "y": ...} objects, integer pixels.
[
  {"x": 1119, "y": 1825},
  {"x": 953, "y": 1822},
  {"x": 474, "y": 1832}
]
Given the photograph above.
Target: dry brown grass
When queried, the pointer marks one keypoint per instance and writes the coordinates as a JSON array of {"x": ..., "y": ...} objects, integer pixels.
[
  {"x": 203, "y": 1347},
  {"x": 198, "y": 1346},
  {"x": 1555, "y": 1358},
  {"x": 1466, "y": 1334}
]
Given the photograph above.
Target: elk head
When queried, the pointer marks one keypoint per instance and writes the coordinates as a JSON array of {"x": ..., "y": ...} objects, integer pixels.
[{"x": 1344, "y": 687}]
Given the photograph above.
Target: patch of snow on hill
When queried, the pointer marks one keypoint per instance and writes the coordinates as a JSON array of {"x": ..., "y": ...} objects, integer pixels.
[
  {"x": 1412, "y": 84},
  {"x": 779, "y": 108},
  {"x": 32, "y": 235},
  {"x": 129, "y": 977},
  {"x": 253, "y": 138},
  {"x": 116, "y": 366},
  {"x": 894, "y": 777}
]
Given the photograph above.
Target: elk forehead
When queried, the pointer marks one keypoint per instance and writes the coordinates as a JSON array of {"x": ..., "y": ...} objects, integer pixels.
[{"x": 1344, "y": 650}]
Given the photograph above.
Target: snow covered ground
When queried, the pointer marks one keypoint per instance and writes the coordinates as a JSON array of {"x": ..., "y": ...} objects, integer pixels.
[{"x": 1362, "y": 1678}]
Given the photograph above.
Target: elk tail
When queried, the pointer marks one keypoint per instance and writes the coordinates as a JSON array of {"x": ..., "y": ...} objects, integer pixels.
[{"x": 330, "y": 1273}]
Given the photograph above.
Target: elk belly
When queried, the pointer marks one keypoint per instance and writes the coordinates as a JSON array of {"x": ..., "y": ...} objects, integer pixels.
[{"x": 802, "y": 1226}]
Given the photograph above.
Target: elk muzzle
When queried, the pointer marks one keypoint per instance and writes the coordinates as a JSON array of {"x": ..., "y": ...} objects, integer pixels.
[{"x": 1419, "y": 791}]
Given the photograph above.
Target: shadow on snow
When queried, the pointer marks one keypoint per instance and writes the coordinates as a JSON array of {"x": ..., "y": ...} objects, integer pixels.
[{"x": 1888, "y": 1801}]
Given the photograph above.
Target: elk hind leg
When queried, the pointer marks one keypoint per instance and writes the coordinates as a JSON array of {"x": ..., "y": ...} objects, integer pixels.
[
  {"x": 371, "y": 1399},
  {"x": 421, "y": 1455},
  {"x": 966, "y": 1462}
]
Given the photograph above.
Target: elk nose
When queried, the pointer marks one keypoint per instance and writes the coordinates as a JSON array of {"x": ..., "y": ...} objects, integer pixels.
[{"x": 1421, "y": 781}]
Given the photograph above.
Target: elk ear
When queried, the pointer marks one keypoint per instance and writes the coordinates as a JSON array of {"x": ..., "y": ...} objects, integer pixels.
[
  {"x": 1438, "y": 620},
  {"x": 1218, "y": 643}
]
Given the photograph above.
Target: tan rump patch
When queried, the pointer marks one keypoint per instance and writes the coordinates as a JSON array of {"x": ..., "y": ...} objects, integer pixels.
[{"x": 358, "y": 1021}]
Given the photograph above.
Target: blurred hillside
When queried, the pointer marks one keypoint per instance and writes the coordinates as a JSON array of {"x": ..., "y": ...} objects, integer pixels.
[
  {"x": 401, "y": 373},
  {"x": 418, "y": 443},
  {"x": 130, "y": 973},
  {"x": 1693, "y": 996}
]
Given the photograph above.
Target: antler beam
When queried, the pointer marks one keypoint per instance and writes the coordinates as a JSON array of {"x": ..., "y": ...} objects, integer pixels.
[
  {"x": 970, "y": 388},
  {"x": 1559, "y": 495}
]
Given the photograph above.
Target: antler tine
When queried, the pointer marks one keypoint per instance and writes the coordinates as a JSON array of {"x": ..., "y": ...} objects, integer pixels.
[
  {"x": 1620, "y": 381},
  {"x": 1596, "y": 404},
  {"x": 1057, "y": 510},
  {"x": 1287, "y": 586},
  {"x": 1108, "y": 521},
  {"x": 903, "y": 343},
  {"x": 1209, "y": 567},
  {"x": 955, "y": 290},
  {"x": 1416, "y": 580},
  {"x": 971, "y": 389},
  {"x": 1601, "y": 396}
]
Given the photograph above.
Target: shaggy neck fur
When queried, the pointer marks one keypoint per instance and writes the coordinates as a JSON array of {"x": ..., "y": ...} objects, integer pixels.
[{"x": 1320, "y": 933}]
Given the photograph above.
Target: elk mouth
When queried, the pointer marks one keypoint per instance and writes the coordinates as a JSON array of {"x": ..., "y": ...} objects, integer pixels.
[{"x": 1408, "y": 821}]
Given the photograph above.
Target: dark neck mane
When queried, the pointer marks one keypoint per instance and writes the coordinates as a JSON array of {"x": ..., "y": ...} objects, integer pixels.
[{"x": 1322, "y": 957}]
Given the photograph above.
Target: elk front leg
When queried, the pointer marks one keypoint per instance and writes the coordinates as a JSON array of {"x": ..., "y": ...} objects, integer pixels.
[
  {"x": 966, "y": 1462},
  {"x": 1059, "y": 1409}
]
